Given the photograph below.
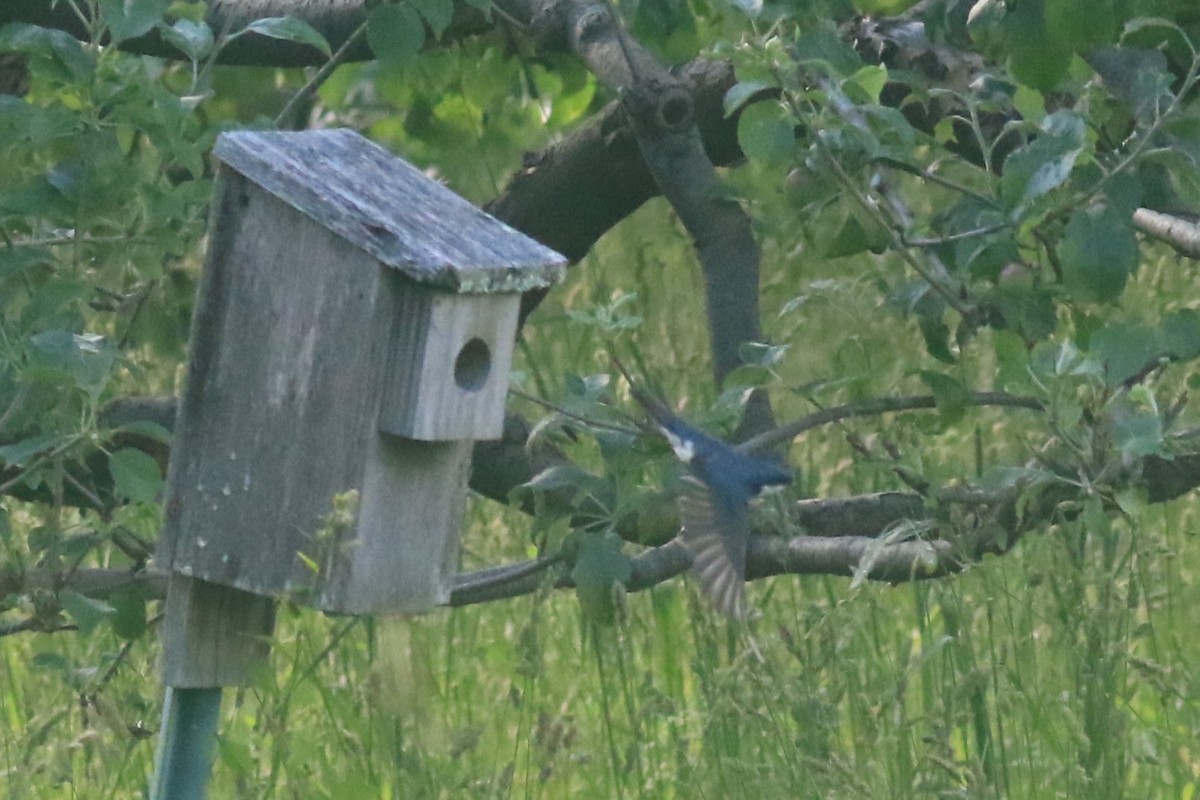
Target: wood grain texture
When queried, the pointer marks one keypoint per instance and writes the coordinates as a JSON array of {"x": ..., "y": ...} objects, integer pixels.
[
  {"x": 450, "y": 359},
  {"x": 214, "y": 635},
  {"x": 353, "y": 335},
  {"x": 280, "y": 482},
  {"x": 387, "y": 207},
  {"x": 403, "y": 552}
]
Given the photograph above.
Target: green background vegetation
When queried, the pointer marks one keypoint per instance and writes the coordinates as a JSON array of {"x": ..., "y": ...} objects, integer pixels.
[{"x": 1066, "y": 668}]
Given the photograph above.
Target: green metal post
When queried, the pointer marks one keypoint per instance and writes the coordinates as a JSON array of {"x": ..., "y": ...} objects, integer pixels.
[{"x": 187, "y": 744}]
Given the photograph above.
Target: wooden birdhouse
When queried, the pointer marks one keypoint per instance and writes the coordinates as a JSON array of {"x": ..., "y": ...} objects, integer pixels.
[{"x": 352, "y": 338}]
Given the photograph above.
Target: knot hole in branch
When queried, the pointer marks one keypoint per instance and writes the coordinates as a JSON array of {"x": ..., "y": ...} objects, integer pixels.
[{"x": 666, "y": 107}]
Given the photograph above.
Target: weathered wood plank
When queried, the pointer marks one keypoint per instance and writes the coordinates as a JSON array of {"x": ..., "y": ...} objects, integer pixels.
[
  {"x": 392, "y": 210},
  {"x": 282, "y": 392},
  {"x": 214, "y": 635},
  {"x": 403, "y": 553},
  {"x": 334, "y": 386},
  {"x": 450, "y": 359}
]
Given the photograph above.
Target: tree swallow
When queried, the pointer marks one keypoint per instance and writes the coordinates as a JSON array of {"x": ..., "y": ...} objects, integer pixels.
[{"x": 714, "y": 507}]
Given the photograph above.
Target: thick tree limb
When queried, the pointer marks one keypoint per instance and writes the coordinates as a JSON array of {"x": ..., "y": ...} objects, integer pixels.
[
  {"x": 658, "y": 119},
  {"x": 854, "y": 520},
  {"x": 573, "y": 192},
  {"x": 841, "y": 536},
  {"x": 661, "y": 111},
  {"x": 1182, "y": 234}
]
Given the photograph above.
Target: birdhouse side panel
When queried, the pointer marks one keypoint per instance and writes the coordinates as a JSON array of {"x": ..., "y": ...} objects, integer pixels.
[
  {"x": 451, "y": 359},
  {"x": 405, "y": 551},
  {"x": 281, "y": 396}
]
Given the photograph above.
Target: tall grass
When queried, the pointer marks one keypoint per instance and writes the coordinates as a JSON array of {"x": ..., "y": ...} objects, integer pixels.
[{"x": 1069, "y": 668}]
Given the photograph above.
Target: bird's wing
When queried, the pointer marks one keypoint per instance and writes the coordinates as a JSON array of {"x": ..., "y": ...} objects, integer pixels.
[{"x": 716, "y": 532}]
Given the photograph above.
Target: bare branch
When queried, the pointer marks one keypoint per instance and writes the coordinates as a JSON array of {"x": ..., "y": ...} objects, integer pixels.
[
  {"x": 661, "y": 111},
  {"x": 847, "y": 536},
  {"x": 1182, "y": 234},
  {"x": 874, "y": 407}
]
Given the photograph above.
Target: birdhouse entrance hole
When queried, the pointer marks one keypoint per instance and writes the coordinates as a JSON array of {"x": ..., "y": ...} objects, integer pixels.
[{"x": 473, "y": 364}]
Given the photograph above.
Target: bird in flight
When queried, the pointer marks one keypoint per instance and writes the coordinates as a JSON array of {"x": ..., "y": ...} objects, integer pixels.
[{"x": 714, "y": 506}]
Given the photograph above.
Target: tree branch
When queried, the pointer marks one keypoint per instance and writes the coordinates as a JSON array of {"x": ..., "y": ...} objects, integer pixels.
[
  {"x": 874, "y": 407},
  {"x": 1182, "y": 234},
  {"x": 661, "y": 111}
]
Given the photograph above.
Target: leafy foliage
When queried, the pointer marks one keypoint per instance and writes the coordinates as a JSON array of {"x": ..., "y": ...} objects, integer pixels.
[{"x": 953, "y": 216}]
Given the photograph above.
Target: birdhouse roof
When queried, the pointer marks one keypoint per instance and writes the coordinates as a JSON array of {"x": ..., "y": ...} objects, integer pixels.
[{"x": 389, "y": 208}]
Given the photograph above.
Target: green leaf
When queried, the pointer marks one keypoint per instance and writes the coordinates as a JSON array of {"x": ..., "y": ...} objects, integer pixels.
[
  {"x": 600, "y": 573},
  {"x": 562, "y": 476},
  {"x": 289, "y": 29},
  {"x": 741, "y": 92},
  {"x": 883, "y": 8},
  {"x": 1098, "y": 252},
  {"x": 985, "y": 23},
  {"x": 127, "y": 19},
  {"x": 61, "y": 47},
  {"x": 395, "y": 33},
  {"x": 193, "y": 39},
  {"x": 1030, "y": 104},
  {"x": 1139, "y": 78},
  {"x": 1132, "y": 501},
  {"x": 146, "y": 428},
  {"x": 1081, "y": 25},
  {"x": 19, "y": 453},
  {"x": 867, "y": 83},
  {"x": 765, "y": 133},
  {"x": 950, "y": 395},
  {"x": 937, "y": 338},
  {"x": 1037, "y": 57},
  {"x": 1012, "y": 360},
  {"x": 1026, "y": 309},
  {"x": 762, "y": 353},
  {"x": 1045, "y": 163},
  {"x": 136, "y": 475},
  {"x": 588, "y": 388},
  {"x": 1136, "y": 424},
  {"x": 1181, "y": 334},
  {"x": 86, "y": 358},
  {"x": 438, "y": 13},
  {"x": 854, "y": 237},
  {"x": 85, "y": 612},
  {"x": 823, "y": 46},
  {"x": 612, "y": 316},
  {"x": 1125, "y": 349},
  {"x": 22, "y": 121},
  {"x": 129, "y": 612},
  {"x": 55, "y": 662},
  {"x": 748, "y": 375}
]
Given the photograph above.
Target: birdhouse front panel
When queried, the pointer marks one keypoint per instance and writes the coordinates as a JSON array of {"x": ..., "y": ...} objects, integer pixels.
[
  {"x": 278, "y": 418},
  {"x": 451, "y": 355},
  {"x": 353, "y": 335}
]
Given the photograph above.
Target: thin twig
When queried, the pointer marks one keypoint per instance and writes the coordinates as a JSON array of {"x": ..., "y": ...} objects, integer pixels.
[
  {"x": 954, "y": 237},
  {"x": 591, "y": 423},
  {"x": 59, "y": 241},
  {"x": 929, "y": 175},
  {"x": 91, "y": 496},
  {"x": 874, "y": 407},
  {"x": 320, "y": 77}
]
